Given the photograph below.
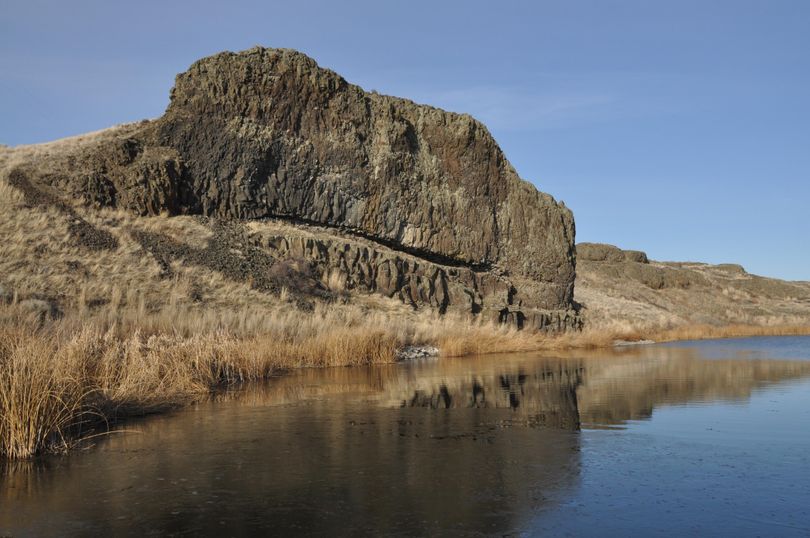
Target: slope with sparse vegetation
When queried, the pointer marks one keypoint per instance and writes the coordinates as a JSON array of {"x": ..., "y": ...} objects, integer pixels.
[{"x": 620, "y": 288}]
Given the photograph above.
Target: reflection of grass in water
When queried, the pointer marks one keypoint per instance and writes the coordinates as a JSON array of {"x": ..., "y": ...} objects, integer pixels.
[{"x": 616, "y": 391}]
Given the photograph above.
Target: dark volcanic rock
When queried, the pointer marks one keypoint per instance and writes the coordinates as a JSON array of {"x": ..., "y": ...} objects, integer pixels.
[
  {"x": 365, "y": 266},
  {"x": 268, "y": 133}
]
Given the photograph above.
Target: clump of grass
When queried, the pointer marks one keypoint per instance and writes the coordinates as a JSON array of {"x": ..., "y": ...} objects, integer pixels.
[
  {"x": 44, "y": 400},
  {"x": 60, "y": 381}
]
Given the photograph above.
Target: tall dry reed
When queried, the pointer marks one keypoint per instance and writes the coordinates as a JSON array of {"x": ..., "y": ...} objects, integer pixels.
[
  {"x": 60, "y": 381},
  {"x": 43, "y": 394}
]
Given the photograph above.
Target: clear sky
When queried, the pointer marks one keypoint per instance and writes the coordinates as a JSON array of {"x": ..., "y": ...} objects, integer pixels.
[{"x": 678, "y": 127}]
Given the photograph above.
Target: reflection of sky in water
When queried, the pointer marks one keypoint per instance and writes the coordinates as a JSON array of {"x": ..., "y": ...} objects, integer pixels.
[
  {"x": 714, "y": 469},
  {"x": 761, "y": 347}
]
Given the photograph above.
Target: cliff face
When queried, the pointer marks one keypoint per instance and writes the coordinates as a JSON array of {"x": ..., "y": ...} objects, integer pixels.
[{"x": 269, "y": 134}]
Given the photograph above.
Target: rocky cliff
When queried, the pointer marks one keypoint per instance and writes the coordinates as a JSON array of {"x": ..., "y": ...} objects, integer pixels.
[{"x": 267, "y": 133}]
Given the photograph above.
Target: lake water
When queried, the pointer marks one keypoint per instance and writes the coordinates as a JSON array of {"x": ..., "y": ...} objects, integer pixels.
[{"x": 697, "y": 438}]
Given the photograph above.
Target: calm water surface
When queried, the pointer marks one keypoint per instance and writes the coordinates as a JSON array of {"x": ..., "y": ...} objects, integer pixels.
[{"x": 706, "y": 438}]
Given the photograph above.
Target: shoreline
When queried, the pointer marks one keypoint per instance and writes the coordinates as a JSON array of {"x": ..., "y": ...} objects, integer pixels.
[{"x": 63, "y": 381}]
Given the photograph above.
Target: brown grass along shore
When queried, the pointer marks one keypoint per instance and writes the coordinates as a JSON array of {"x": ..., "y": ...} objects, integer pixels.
[{"x": 64, "y": 380}]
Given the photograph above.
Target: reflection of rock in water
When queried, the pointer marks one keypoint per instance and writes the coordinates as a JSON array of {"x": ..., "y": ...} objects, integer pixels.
[
  {"x": 333, "y": 465},
  {"x": 596, "y": 387},
  {"x": 545, "y": 397}
]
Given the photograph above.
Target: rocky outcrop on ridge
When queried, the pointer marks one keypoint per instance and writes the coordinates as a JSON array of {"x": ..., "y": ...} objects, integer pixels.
[
  {"x": 600, "y": 252},
  {"x": 267, "y": 133},
  {"x": 624, "y": 286}
]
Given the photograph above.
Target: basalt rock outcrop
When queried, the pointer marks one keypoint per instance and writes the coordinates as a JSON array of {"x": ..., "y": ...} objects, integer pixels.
[
  {"x": 601, "y": 252},
  {"x": 267, "y": 133},
  {"x": 360, "y": 264}
]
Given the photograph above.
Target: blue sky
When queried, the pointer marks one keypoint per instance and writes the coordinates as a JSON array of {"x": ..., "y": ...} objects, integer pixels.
[{"x": 677, "y": 127}]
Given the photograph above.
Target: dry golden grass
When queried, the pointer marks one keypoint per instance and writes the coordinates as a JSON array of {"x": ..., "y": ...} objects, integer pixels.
[
  {"x": 42, "y": 402},
  {"x": 705, "y": 332},
  {"x": 9, "y": 196},
  {"x": 459, "y": 339},
  {"x": 63, "y": 147},
  {"x": 58, "y": 380}
]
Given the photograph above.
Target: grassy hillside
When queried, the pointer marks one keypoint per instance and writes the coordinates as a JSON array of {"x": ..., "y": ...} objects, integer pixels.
[{"x": 624, "y": 289}]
